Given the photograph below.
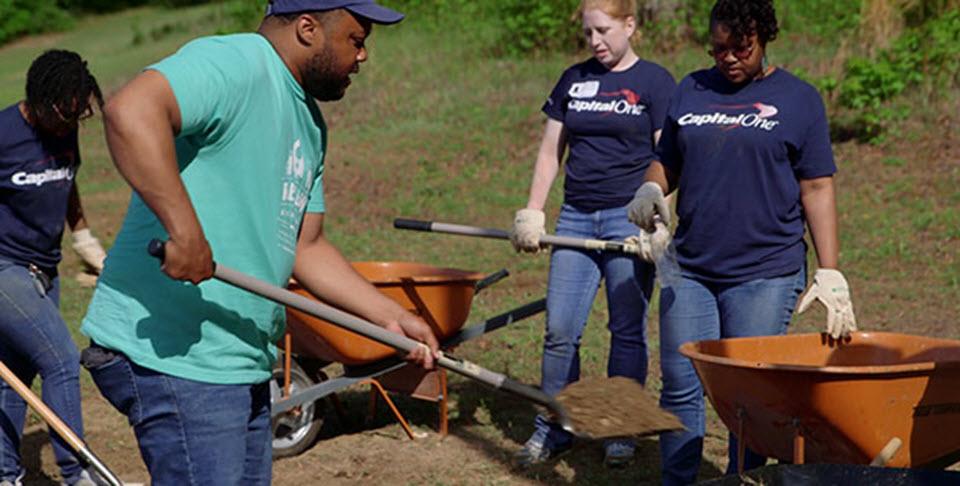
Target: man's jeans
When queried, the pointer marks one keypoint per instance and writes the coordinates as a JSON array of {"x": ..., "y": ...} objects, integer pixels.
[
  {"x": 697, "y": 311},
  {"x": 571, "y": 289},
  {"x": 34, "y": 339},
  {"x": 191, "y": 433}
]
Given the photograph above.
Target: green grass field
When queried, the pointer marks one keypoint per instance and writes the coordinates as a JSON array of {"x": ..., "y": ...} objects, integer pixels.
[{"x": 433, "y": 128}]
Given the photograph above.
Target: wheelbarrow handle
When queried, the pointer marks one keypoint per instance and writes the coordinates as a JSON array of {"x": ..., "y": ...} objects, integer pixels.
[
  {"x": 372, "y": 331},
  {"x": 554, "y": 240}
]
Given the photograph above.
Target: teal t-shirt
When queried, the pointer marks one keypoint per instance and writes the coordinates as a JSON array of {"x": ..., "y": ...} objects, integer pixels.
[{"x": 250, "y": 153}]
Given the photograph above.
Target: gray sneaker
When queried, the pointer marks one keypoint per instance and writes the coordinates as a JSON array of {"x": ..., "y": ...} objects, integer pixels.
[
  {"x": 618, "y": 452},
  {"x": 17, "y": 481},
  {"x": 535, "y": 452},
  {"x": 87, "y": 478}
]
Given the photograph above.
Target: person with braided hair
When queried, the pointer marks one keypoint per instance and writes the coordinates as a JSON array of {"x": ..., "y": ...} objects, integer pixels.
[
  {"x": 39, "y": 158},
  {"x": 747, "y": 147}
]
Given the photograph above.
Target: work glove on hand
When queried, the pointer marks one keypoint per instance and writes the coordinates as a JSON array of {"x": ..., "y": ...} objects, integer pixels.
[
  {"x": 831, "y": 288},
  {"x": 647, "y": 203},
  {"x": 88, "y": 247},
  {"x": 528, "y": 227},
  {"x": 651, "y": 245}
]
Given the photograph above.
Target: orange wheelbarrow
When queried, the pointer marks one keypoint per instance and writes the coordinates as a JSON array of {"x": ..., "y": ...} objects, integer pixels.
[
  {"x": 440, "y": 296},
  {"x": 877, "y": 398}
]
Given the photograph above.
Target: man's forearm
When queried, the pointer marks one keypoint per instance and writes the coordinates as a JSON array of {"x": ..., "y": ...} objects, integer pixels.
[{"x": 323, "y": 271}]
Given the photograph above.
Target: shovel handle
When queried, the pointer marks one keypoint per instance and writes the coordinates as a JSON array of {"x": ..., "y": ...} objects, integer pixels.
[
  {"x": 476, "y": 231},
  {"x": 371, "y": 331},
  {"x": 62, "y": 429}
]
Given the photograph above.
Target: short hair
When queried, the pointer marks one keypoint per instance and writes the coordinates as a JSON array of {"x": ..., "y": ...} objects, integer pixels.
[
  {"x": 322, "y": 16},
  {"x": 61, "y": 79},
  {"x": 745, "y": 18}
]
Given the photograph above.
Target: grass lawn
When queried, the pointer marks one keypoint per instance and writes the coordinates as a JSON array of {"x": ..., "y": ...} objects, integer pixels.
[{"x": 433, "y": 128}]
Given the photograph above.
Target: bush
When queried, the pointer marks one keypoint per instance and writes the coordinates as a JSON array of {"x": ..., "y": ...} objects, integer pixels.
[
  {"x": 22, "y": 17},
  {"x": 524, "y": 26},
  {"x": 925, "y": 56}
]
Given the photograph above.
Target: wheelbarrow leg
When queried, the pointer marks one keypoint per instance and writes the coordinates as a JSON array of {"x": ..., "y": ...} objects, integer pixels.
[
  {"x": 442, "y": 377},
  {"x": 798, "y": 444},
  {"x": 741, "y": 443},
  {"x": 376, "y": 388}
]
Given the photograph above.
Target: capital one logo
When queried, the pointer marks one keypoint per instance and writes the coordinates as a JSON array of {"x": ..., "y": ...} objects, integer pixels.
[
  {"x": 40, "y": 178},
  {"x": 585, "y": 89},
  {"x": 760, "y": 119}
]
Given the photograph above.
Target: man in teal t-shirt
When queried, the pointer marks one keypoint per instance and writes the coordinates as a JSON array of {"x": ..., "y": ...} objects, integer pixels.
[{"x": 224, "y": 145}]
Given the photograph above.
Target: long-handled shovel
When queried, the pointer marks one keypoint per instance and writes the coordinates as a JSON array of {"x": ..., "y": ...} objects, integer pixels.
[
  {"x": 406, "y": 345},
  {"x": 664, "y": 257},
  {"x": 83, "y": 452},
  {"x": 566, "y": 241},
  {"x": 377, "y": 333}
]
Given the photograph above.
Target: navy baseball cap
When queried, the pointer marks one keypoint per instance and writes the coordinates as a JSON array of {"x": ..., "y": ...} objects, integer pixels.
[{"x": 367, "y": 9}]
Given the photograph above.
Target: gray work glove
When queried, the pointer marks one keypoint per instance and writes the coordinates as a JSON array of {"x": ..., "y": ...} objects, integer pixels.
[
  {"x": 831, "y": 288},
  {"x": 88, "y": 247},
  {"x": 528, "y": 227},
  {"x": 651, "y": 245},
  {"x": 647, "y": 203}
]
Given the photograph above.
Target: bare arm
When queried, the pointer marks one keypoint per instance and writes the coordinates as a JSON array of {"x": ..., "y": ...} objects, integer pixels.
[
  {"x": 75, "y": 219},
  {"x": 550, "y": 156},
  {"x": 140, "y": 123},
  {"x": 820, "y": 208},
  {"x": 662, "y": 176},
  {"x": 322, "y": 270}
]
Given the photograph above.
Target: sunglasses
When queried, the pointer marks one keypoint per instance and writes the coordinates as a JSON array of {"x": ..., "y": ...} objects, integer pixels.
[{"x": 741, "y": 53}]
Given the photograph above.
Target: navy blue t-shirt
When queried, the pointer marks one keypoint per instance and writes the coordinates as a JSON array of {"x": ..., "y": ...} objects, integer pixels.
[
  {"x": 610, "y": 118},
  {"x": 740, "y": 152},
  {"x": 36, "y": 176}
]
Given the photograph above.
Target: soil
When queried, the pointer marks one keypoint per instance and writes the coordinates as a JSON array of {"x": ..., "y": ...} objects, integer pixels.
[{"x": 615, "y": 407}]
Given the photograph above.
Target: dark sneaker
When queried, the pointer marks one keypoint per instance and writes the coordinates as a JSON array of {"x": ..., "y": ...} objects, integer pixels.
[
  {"x": 535, "y": 452},
  {"x": 618, "y": 452}
]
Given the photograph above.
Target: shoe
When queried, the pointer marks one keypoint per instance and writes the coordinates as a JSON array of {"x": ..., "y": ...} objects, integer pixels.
[
  {"x": 17, "y": 481},
  {"x": 618, "y": 452},
  {"x": 87, "y": 478},
  {"x": 535, "y": 452}
]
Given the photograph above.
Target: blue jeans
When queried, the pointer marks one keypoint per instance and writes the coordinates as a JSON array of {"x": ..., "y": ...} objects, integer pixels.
[
  {"x": 697, "y": 311},
  {"x": 192, "y": 433},
  {"x": 571, "y": 289},
  {"x": 34, "y": 339}
]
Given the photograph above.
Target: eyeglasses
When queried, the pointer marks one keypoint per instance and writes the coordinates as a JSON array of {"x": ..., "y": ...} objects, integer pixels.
[
  {"x": 741, "y": 53},
  {"x": 74, "y": 118}
]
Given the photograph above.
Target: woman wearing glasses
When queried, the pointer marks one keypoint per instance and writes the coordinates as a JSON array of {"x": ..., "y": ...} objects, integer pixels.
[
  {"x": 747, "y": 147},
  {"x": 39, "y": 158}
]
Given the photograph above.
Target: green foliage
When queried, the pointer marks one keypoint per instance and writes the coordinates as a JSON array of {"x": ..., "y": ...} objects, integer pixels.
[
  {"x": 242, "y": 16},
  {"x": 531, "y": 26},
  {"x": 523, "y": 26},
  {"x": 22, "y": 17},
  {"x": 101, "y": 6},
  {"x": 824, "y": 19},
  {"x": 927, "y": 55}
]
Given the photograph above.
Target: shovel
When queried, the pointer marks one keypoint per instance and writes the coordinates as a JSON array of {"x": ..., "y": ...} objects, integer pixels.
[
  {"x": 81, "y": 449},
  {"x": 603, "y": 408},
  {"x": 566, "y": 241},
  {"x": 665, "y": 259},
  {"x": 378, "y": 334}
]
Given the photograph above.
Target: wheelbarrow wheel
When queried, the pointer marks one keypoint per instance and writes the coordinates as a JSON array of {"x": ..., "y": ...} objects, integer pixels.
[{"x": 296, "y": 430}]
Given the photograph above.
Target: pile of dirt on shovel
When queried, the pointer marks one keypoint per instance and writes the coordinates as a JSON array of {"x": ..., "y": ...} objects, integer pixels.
[{"x": 614, "y": 407}]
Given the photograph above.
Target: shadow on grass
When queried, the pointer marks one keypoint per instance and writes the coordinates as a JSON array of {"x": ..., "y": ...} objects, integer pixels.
[
  {"x": 30, "y": 456},
  {"x": 496, "y": 425}
]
